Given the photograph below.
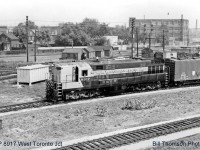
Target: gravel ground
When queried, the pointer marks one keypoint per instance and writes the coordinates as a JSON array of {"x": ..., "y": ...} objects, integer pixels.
[
  {"x": 78, "y": 120},
  {"x": 187, "y": 143}
]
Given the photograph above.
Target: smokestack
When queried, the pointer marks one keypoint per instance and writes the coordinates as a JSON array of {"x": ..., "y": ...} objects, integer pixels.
[{"x": 182, "y": 16}]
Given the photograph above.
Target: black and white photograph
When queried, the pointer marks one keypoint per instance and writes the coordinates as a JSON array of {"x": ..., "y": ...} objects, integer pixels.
[{"x": 100, "y": 75}]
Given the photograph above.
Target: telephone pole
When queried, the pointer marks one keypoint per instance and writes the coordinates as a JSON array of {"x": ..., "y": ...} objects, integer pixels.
[
  {"x": 149, "y": 38},
  {"x": 137, "y": 40},
  {"x": 144, "y": 34},
  {"x": 35, "y": 45},
  {"x": 163, "y": 40},
  {"x": 27, "y": 38},
  {"x": 72, "y": 43},
  {"x": 132, "y": 25}
]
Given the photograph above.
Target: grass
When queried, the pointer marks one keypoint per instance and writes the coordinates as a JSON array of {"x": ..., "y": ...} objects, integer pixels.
[
  {"x": 13, "y": 65},
  {"x": 11, "y": 94}
]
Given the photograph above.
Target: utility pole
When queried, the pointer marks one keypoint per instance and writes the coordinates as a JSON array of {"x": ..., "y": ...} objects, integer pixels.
[
  {"x": 144, "y": 34},
  {"x": 163, "y": 40},
  {"x": 35, "y": 46},
  {"x": 27, "y": 38},
  {"x": 72, "y": 42},
  {"x": 149, "y": 40},
  {"x": 132, "y": 24},
  {"x": 150, "y": 36},
  {"x": 137, "y": 40}
]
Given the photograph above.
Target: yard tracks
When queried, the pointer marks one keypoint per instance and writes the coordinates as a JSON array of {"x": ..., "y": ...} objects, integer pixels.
[
  {"x": 21, "y": 106},
  {"x": 134, "y": 136}
]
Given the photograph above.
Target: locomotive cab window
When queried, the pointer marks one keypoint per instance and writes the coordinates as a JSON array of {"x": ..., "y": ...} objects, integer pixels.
[
  {"x": 161, "y": 69},
  {"x": 153, "y": 69},
  {"x": 157, "y": 69},
  {"x": 84, "y": 72}
]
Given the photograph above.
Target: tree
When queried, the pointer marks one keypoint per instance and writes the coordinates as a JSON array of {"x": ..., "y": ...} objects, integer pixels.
[
  {"x": 91, "y": 27},
  {"x": 72, "y": 32},
  {"x": 122, "y": 32},
  {"x": 44, "y": 37},
  {"x": 101, "y": 42},
  {"x": 20, "y": 30},
  {"x": 104, "y": 30}
]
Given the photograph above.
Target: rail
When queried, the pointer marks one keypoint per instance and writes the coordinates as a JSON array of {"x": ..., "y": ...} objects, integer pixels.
[{"x": 134, "y": 136}]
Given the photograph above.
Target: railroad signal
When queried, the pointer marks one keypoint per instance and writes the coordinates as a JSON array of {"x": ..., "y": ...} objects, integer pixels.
[
  {"x": 26, "y": 20},
  {"x": 132, "y": 22}
]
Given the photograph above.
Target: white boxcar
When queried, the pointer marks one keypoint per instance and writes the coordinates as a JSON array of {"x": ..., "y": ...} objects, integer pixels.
[{"x": 33, "y": 73}]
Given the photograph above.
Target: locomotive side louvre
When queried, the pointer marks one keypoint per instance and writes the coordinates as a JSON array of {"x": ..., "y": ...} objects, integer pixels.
[{"x": 113, "y": 64}]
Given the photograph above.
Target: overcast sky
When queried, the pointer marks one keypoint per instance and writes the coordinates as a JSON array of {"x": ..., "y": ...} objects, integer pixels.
[{"x": 51, "y": 12}]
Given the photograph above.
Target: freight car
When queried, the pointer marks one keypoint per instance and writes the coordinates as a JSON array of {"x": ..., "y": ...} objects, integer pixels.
[
  {"x": 183, "y": 71},
  {"x": 82, "y": 79}
]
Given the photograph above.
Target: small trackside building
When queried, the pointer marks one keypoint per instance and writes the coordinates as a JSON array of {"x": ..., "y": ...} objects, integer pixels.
[
  {"x": 99, "y": 51},
  {"x": 73, "y": 53},
  {"x": 33, "y": 73}
]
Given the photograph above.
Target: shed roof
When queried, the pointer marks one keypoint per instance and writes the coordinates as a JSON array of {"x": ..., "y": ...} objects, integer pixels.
[
  {"x": 11, "y": 36},
  {"x": 73, "y": 50},
  {"x": 32, "y": 67},
  {"x": 98, "y": 48}
]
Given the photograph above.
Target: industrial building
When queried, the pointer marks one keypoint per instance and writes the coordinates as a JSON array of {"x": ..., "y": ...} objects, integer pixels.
[{"x": 177, "y": 29}]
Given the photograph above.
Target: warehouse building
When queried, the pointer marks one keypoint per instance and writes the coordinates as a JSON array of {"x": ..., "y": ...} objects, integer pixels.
[{"x": 177, "y": 29}]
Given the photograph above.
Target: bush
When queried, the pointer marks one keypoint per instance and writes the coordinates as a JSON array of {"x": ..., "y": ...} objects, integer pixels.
[
  {"x": 100, "y": 111},
  {"x": 139, "y": 105}
]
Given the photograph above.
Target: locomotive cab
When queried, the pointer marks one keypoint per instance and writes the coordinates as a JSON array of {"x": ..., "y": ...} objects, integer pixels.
[{"x": 70, "y": 74}]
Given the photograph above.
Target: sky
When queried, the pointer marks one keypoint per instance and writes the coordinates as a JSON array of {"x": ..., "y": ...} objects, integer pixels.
[{"x": 112, "y": 12}]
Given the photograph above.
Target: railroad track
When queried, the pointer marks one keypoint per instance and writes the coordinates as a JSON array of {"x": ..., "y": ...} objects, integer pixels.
[
  {"x": 43, "y": 103},
  {"x": 21, "y": 106},
  {"x": 134, "y": 136},
  {"x": 7, "y": 77}
]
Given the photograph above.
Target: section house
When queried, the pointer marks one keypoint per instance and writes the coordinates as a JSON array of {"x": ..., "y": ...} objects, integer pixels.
[
  {"x": 88, "y": 52},
  {"x": 100, "y": 51},
  {"x": 9, "y": 41},
  {"x": 73, "y": 53}
]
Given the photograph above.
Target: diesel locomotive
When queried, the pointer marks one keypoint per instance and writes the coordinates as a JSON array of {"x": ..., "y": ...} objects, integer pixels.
[{"x": 83, "y": 79}]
